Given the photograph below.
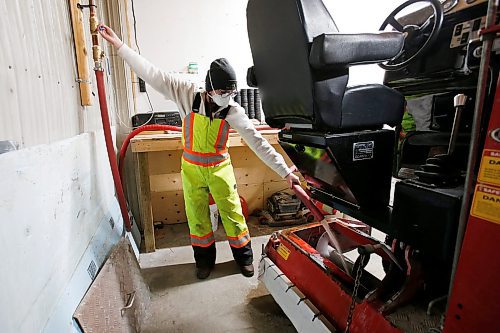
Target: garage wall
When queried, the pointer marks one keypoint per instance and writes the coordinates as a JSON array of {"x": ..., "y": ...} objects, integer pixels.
[
  {"x": 58, "y": 209},
  {"x": 38, "y": 89}
]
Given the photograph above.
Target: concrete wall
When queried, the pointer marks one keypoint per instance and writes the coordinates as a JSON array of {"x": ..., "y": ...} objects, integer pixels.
[
  {"x": 175, "y": 32},
  {"x": 57, "y": 198}
]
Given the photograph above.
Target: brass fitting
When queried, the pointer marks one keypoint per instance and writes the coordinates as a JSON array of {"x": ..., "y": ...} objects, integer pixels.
[
  {"x": 94, "y": 24},
  {"x": 96, "y": 52}
]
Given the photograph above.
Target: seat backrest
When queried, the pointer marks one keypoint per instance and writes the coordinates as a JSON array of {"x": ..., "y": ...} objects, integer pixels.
[{"x": 281, "y": 33}]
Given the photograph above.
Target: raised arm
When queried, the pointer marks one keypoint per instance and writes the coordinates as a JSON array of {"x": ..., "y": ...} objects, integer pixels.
[{"x": 173, "y": 88}]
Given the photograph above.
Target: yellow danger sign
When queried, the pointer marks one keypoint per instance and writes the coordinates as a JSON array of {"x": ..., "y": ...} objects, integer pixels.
[
  {"x": 489, "y": 172},
  {"x": 486, "y": 203},
  {"x": 283, "y": 251}
]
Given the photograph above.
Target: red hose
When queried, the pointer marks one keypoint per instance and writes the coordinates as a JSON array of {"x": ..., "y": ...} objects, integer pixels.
[
  {"x": 306, "y": 199},
  {"x": 117, "y": 169},
  {"x": 123, "y": 149},
  {"x": 110, "y": 148}
]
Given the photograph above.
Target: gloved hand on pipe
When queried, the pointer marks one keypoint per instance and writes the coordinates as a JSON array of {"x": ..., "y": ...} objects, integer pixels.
[
  {"x": 108, "y": 34},
  {"x": 292, "y": 179}
]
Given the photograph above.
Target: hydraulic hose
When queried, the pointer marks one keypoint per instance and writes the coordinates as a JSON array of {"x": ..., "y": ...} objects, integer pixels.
[
  {"x": 123, "y": 149},
  {"x": 99, "y": 74},
  {"x": 111, "y": 150}
]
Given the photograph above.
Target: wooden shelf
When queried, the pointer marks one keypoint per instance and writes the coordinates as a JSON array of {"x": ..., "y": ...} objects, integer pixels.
[{"x": 156, "y": 141}]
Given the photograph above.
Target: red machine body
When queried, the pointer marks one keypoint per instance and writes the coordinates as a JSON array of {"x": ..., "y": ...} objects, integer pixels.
[
  {"x": 313, "y": 277},
  {"x": 474, "y": 305}
]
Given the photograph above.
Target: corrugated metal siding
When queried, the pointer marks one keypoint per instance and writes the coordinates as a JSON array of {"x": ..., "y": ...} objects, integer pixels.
[{"x": 40, "y": 98}]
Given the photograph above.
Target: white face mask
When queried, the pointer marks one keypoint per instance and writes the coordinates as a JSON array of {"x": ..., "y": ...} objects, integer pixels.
[{"x": 220, "y": 100}]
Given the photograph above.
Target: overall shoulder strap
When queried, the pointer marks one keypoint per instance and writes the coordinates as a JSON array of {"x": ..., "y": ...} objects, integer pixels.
[
  {"x": 223, "y": 113},
  {"x": 196, "y": 103}
]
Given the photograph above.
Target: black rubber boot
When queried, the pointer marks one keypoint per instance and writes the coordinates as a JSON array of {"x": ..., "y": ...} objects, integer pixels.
[
  {"x": 205, "y": 260},
  {"x": 244, "y": 258},
  {"x": 247, "y": 270},
  {"x": 203, "y": 272}
]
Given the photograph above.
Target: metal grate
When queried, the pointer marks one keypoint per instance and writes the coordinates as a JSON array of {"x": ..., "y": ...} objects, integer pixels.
[{"x": 92, "y": 270}]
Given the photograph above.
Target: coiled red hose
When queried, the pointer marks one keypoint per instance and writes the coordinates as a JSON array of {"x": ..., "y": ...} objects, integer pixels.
[{"x": 123, "y": 149}]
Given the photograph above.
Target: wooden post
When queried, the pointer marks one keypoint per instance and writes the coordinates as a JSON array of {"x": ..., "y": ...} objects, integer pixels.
[
  {"x": 81, "y": 54},
  {"x": 145, "y": 206},
  {"x": 129, "y": 42}
]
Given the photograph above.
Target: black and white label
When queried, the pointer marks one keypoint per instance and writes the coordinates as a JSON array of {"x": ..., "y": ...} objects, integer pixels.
[{"x": 362, "y": 150}]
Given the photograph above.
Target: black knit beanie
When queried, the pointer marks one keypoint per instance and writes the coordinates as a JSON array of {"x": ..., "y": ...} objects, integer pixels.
[{"x": 222, "y": 75}]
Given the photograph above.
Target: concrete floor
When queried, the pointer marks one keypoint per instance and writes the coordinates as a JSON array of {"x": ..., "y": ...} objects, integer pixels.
[{"x": 225, "y": 302}]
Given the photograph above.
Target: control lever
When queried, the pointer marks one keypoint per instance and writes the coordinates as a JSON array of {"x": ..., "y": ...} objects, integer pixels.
[
  {"x": 440, "y": 170},
  {"x": 459, "y": 104}
]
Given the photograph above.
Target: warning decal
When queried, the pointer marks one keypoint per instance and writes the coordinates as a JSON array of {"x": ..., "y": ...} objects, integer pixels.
[
  {"x": 489, "y": 171},
  {"x": 283, "y": 251},
  {"x": 486, "y": 203}
]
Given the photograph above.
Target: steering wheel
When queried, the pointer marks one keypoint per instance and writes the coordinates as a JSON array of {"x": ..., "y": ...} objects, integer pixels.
[{"x": 413, "y": 33}]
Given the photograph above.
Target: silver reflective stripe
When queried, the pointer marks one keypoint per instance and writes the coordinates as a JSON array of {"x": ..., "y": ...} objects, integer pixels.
[
  {"x": 205, "y": 160},
  {"x": 239, "y": 242},
  {"x": 223, "y": 138},
  {"x": 187, "y": 131},
  {"x": 202, "y": 241}
]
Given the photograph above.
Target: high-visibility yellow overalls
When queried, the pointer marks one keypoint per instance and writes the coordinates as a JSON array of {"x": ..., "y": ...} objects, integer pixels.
[{"x": 206, "y": 168}]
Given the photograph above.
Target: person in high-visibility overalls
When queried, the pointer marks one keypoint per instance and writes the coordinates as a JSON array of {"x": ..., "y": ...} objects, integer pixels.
[{"x": 206, "y": 166}]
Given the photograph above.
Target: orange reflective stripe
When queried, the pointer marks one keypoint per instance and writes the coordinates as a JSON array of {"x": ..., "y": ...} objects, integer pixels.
[
  {"x": 204, "y": 160},
  {"x": 184, "y": 132},
  {"x": 203, "y": 241},
  {"x": 218, "y": 136},
  {"x": 191, "y": 124},
  {"x": 210, "y": 234},
  {"x": 188, "y": 131},
  {"x": 199, "y": 163},
  {"x": 222, "y": 136},
  {"x": 239, "y": 236},
  {"x": 239, "y": 241},
  {"x": 189, "y": 151},
  {"x": 225, "y": 136},
  {"x": 238, "y": 244}
]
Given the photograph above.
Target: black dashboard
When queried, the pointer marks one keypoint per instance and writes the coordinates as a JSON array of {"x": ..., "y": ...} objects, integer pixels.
[{"x": 452, "y": 61}]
